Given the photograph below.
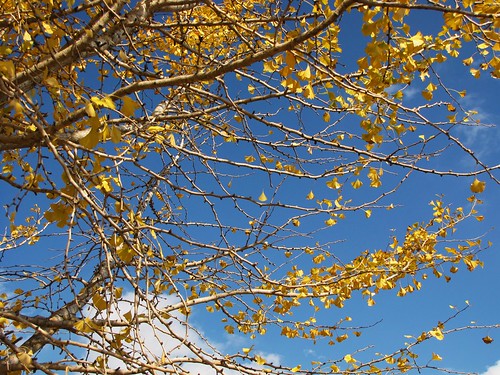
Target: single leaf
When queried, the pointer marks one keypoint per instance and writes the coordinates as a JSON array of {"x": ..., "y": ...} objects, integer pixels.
[
  {"x": 437, "y": 333},
  {"x": 436, "y": 357},
  {"x": 334, "y": 184},
  {"x": 116, "y": 134},
  {"x": 129, "y": 106},
  {"x": 262, "y": 197},
  {"x": 477, "y": 186},
  {"x": 487, "y": 340},
  {"x": 99, "y": 301}
]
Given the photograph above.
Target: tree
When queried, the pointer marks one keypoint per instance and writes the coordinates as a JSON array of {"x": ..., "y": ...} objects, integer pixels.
[{"x": 166, "y": 158}]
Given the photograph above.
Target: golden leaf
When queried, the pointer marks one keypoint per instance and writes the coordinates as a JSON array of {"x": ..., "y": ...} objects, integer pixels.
[
  {"x": 437, "y": 333},
  {"x": 305, "y": 74},
  {"x": 129, "y": 106},
  {"x": 116, "y": 134},
  {"x": 356, "y": 184},
  {"x": 309, "y": 92},
  {"x": 349, "y": 359},
  {"x": 487, "y": 340},
  {"x": 477, "y": 186},
  {"x": 262, "y": 197},
  {"x": 7, "y": 69},
  {"x": 436, "y": 357},
  {"x": 417, "y": 39},
  {"x": 99, "y": 301},
  {"x": 89, "y": 108},
  {"x": 334, "y": 184},
  {"x": 260, "y": 360},
  {"x": 330, "y": 222}
]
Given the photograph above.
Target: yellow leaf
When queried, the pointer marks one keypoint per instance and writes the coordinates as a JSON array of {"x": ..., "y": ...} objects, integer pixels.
[
  {"x": 105, "y": 102},
  {"x": 290, "y": 59},
  {"x": 476, "y": 73},
  {"x": 91, "y": 139},
  {"x": 296, "y": 222},
  {"x": 260, "y": 360},
  {"x": 334, "y": 184},
  {"x": 249, "y": 159},
  {"x": 118, "y": 292},
  {"x": 349, "y": 359},
  {"x": 24, "y": 357},
  {"x": 436, "y": 357},
  {"x": 7, "y": 69},
  {"x": 330, "y": 222},
  {"x": 270, "y": 66},
  {"x": 85, "y": 325},
  {"x": 296, "y": 368},
  {"x": 356, "y": 184},
  {"x": 368, "y": 213},
  {"x": 247, "y": 350},
  {"x": 89, "y": 108},
  {"x": 171, "y": 139},
  {"x": 155, "y": 129},
  {"x": 326, "y": 116},
  {"x": 477, "y": 186},
  {"x": 427, "y": 95},
  {"x": 99, "y": 301},
  {"x": 309, "y": 92},
  {"x": 436, "y": 332},
  {"x": 229, "y": 329},
  {"x": 129, "y": 106},
  {"x": 342, "y": 337},
  {"x": 310, "y": 195},
  {"x": 262, "y": 197},
  {"x": 468, "y": 62},
  {"x": 251, "y": 89},
  {"x": 125, "y": 253},
  {"x": 417, "y": 39},
  {"x": 305, "y": 74},
  {"x": 52, "y": 82},
  {"x": 116, "y": 134}
]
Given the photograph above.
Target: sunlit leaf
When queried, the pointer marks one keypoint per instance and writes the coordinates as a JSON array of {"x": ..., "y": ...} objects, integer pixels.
[
  {"x": 487, "y": 340},
  {"x": 436, "y": 357},
  {"x": 477, "y": 186},
  {"x": 262, "y": 197},
  {"x": 129, "y": 106},
  {"x": 437, "y": 333}
]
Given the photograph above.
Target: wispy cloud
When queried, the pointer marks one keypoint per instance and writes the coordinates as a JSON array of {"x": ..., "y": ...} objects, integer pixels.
[{"x": 481, "y": 132}]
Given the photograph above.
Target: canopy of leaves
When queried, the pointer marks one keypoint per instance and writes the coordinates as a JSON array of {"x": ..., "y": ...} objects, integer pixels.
[{"x": 169, "y": 157}]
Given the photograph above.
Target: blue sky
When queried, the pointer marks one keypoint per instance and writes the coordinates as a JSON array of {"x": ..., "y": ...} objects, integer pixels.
[
  {"x": 392, "y": 317},
  {"x": 413, "y": 314}
]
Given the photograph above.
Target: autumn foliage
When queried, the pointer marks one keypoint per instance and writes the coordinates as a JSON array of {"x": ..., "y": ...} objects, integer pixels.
[{"x": 161, "y": 159}]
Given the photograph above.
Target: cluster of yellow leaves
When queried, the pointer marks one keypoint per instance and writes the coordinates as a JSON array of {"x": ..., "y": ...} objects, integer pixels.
[{"x": 369, "y": 273}]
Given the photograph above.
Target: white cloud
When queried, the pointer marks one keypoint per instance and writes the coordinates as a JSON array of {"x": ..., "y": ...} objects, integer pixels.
[
  {"x": 493, "y": 370},
  {"x": 156, "y": 341}
]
